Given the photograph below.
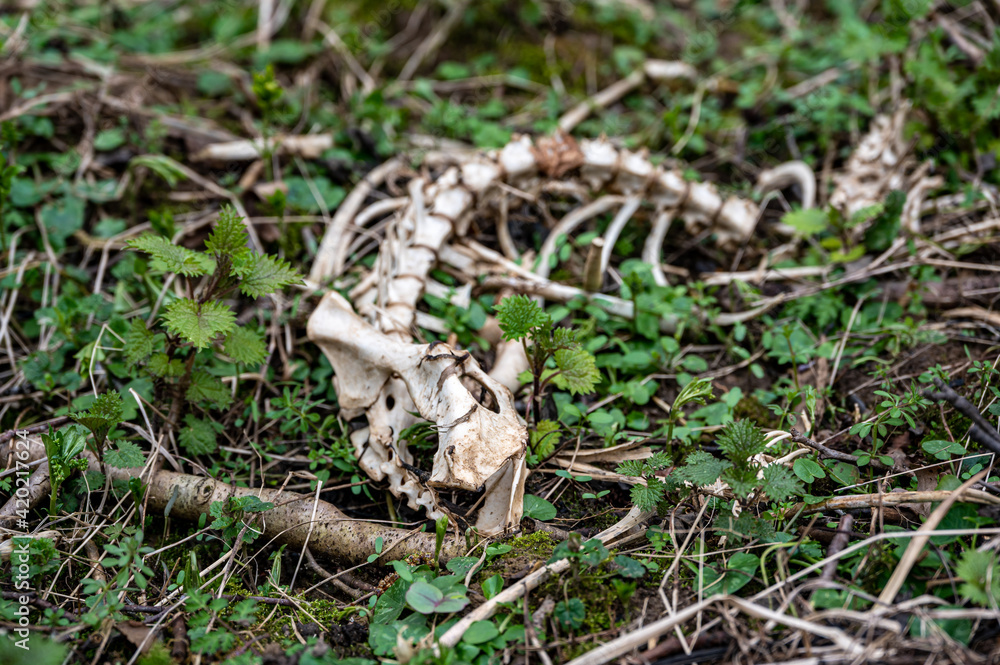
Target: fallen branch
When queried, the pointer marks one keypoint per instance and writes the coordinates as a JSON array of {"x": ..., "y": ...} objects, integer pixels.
[
  {"x": 334, "y": 534},
  {"x": 982, "y": 432},
  {"x": 891, "y": 499}
]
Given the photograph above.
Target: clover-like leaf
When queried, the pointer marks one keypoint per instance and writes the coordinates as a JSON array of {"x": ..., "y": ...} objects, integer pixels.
[{"x": 428, "y": 599}]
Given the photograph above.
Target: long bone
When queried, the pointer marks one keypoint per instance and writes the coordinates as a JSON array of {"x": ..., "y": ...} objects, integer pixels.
[{"x": 479, "y": 448}]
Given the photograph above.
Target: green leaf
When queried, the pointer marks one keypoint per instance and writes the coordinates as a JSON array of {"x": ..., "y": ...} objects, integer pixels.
[
  {"x": 885, "y": 228},
  {"x": 245, "y": 345},
  {"x": 199, "y": 323},
  {"x": 780, "y": 483},
  {"x": 941, "y": 449},
  {"x": 807, "y": 222},
  {"x": 577, "y": 371},
  {"x": 138, "y": 342},
  {"x": 808, "y": 470},
  {"x": 229, "y": 237},
  {"x": 104, "y": 414},
  {"x": 390, "y": 604},
  {"x": 741, "y": 440},
  {"x": 163, "y": 166},
  {"x": 632, "y": 467},
  {"x": 538, "y": 508},
  {"x": 162, "y": 366},
  {"x": 261, "y": 274},
  {"x": 982, "y": 577},
  {"x": 427, "y": 599},
  {"x": 199, "y": 437},
  {"x": 492, "y": 586},
  {"x": 629, "y": 567},
  {"x": 126, "y": 455},
  {"x": 570, "y": 613},
  {"x": 168, "y": 257},
  {"x": 741, "y": 569},
  {"x": 544, "y": 438},
  {"x": 208, "y": 388},
  {"x": 517, "y": 315},
  {"x": 461, "y": 565},
  {"x": 647, "y": 496},
  {"x": 480, "y": 632},
  {"x": 62, "y": 218},
  {"x": 109, "y": 139},
  {"x": 700, "y": 469}
]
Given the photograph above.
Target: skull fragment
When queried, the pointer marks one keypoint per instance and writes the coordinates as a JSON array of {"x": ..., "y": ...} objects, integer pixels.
[{"x": 482, "y": 445}]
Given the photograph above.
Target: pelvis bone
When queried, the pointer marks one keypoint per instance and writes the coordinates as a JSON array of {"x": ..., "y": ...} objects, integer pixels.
[{"x": 386, "y": 380}]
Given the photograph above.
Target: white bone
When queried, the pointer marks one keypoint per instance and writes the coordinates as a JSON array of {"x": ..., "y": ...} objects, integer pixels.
[{"x": 479, "y": 449}]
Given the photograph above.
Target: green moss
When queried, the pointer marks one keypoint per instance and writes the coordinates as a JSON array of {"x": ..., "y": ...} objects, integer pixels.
[{"x": 750, "y": 408}]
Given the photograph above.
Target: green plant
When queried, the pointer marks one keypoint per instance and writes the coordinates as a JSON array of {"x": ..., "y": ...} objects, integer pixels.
[
  {"x": 63, "y": 448},
  {"x": 202, "y": 319},
  {"x": 232, "y": 517},
  {"x": 105, "y": 597},
  {"x": 741, "y": 442},
  {"x": 104, "y": 415},
  {"x": 268, "y": 92},
  {"x": 573, "y": 367},
  {"x": 895, "y": 410},
  {"x": 697, "y": 391}
]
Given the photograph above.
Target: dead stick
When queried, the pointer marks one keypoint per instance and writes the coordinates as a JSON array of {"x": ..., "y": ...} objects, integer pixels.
[{"x": 982, "y": 432}]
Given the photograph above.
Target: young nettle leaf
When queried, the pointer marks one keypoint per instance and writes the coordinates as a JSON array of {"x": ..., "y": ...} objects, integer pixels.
[
  {"x": 578, "y": 371},
  {"x": 701, "y": 469},
  {"x": 632, "y": 467},
  {"x": 139, "y": 342},
  {"x": 125, "y": 455},
  {"x": 544, "y": 438},
  {"x": 162, "y": 366},
  {"x": 517, "y": 315},
  {"x": 199, "y": 437},
  {"x": 740, "y": 441},
  {"x": 245, "y": 345},
  {"x": 198, "y": 323},
  {"x": 103, "y": 416},
  {"x": 63, "y": 448},
  {"x": 741, "y": 480},
  {"x": 207, "y": 388},
  {"x": 261, "y": 274},
  {"x": 781, "y": 483},
  {"x": 168, "y": 257},
  {"x": 981, "y": 573},
  {"x": 229, "y": 237},
  {"x": 647, "y": 496}
]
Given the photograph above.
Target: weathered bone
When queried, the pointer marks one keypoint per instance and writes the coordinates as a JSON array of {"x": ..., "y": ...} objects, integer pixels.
[
  {"x": 437, "y": 211},
  {"x": 379, "y": 375},
  {"x": 882, "y": 162}
]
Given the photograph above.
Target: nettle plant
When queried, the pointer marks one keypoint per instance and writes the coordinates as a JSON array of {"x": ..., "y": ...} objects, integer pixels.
[
  {"x": 742, "y": 470},
  {"x": 556, "y": 354},
  {"x": 200, "y": 326}
]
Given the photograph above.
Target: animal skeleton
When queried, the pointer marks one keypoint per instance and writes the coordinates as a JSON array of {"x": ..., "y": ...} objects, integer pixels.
[{"x": 381, "y": 374}]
